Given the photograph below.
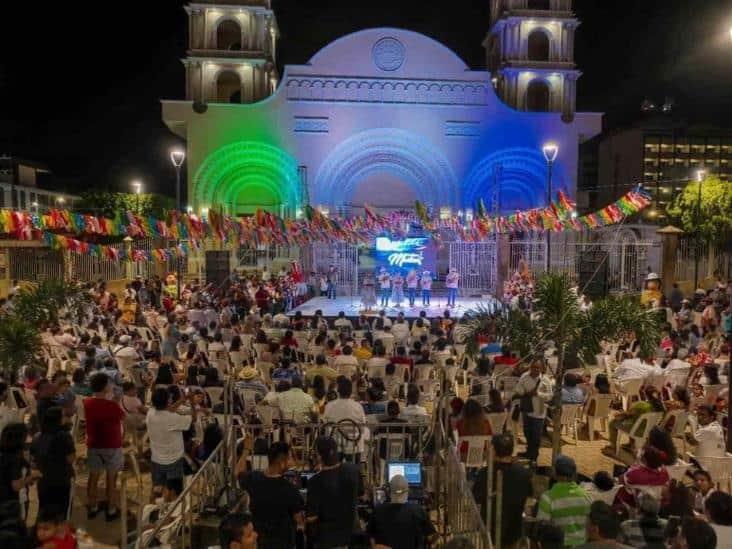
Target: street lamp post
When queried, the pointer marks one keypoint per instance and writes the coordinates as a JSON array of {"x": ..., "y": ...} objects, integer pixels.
[
  {"x": 177, "y": 157},
  {"x": 550, "y": 150},
  {"x": 138, "y": 187},
  {"x": 700, "y": 178}
]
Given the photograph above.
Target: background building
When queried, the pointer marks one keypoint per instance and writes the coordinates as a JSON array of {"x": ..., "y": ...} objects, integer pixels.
[
  {"x": 19, "y": 186},
  {"x": 662, "y": 152},
  {"x": 382, "y": 116}
]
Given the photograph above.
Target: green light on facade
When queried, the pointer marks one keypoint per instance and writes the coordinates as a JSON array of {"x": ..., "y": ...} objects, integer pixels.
[{"x": 248, "y": 175}]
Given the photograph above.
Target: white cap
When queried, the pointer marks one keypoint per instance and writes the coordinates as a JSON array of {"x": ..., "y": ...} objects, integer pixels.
[{"x": 124, "y": 339}]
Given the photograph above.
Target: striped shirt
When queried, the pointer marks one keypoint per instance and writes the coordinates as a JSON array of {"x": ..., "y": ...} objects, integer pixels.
[{"x": 566, "y": 505}]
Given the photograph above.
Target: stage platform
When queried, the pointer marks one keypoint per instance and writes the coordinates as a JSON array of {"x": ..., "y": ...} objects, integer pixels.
[{"x": 352, "y": 307}]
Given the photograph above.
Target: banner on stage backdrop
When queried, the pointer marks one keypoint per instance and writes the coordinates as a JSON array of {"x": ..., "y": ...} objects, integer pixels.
[{"x": 408, "y": 253}]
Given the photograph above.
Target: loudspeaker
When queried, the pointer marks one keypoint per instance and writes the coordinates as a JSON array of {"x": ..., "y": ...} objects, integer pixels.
[{"x": 218, "y": 266}]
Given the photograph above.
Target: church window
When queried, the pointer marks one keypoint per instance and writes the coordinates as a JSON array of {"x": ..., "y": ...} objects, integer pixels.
[
  {"x": 228, "y": 87},
  {"x": 537, "y": 96},
  {"x": 228, "y": 36},
  {"x": 538, "y": 46}
]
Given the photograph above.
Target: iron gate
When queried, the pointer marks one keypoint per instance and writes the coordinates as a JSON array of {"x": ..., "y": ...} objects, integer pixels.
[
  {"x": 476, "y": 263},
  {"x": 319, "y": 257}
]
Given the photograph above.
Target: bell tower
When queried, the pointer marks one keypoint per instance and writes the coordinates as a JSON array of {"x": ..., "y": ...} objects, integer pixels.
[
  {"x": 530, "y": 52},
  {"x": 231, "y": 51}
]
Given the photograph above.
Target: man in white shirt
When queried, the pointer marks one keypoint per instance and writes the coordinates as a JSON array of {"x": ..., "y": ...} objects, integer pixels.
[
  {"x": 295, "y": 404},
  {"x": 344, "y": 407},
  {"x": 413, "y": 411},
  {"x": 165, "y": 427},
  {"x": 678, "y": 362},
  {"x": 635, "y": 368},
  {"x": 346, "y": 364},
  {"x": 400, "y": 330},
  {"x": 342, "y": 322},
  {"x": 709, "y": 435},
  {"x": 125, "y": 355},
  {"x": 538, "y": 386},
  {"x": 7, "y": 414}
]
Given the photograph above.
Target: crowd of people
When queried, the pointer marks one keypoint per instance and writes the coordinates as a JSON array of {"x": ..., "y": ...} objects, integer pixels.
[{"x": 140, "y": 370}]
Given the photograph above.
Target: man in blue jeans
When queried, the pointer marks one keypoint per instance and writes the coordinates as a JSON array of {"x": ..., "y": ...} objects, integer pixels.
[
  {"x": 535, "y": 390},
  {"x": 453, "y": 277}
]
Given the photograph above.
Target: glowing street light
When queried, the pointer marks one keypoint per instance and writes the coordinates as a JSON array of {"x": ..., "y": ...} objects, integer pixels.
[
  {"x": 551, "y": 151},
  {"x": 137, "y": 186}
]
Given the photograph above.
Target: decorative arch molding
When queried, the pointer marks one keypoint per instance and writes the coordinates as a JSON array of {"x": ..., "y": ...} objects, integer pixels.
[
  {"x": 235, "y": 168},
  {"x": 406, "y": 155},
  {"x": 521, "y": 179}
]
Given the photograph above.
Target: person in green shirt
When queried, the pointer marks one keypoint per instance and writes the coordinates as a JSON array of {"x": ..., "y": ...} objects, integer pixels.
[
  {"x": 566, "y": 504},
  {"x": 625, "y": 420}
]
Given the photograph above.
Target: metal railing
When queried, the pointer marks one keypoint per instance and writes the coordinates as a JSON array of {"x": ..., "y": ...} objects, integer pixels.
[
  {"x": 175, "y": 525},
  {"x": 461, "y": 513}
]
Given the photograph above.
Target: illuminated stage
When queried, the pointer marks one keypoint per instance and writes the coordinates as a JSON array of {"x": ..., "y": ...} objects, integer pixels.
[{"x": 352, "y": 307}]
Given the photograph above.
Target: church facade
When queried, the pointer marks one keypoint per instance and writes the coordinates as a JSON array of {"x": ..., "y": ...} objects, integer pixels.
[{"x": 381, "y": 117}]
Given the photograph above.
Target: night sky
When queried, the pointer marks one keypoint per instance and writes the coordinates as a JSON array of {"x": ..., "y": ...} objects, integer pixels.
[{"x": 80, "y": 87}]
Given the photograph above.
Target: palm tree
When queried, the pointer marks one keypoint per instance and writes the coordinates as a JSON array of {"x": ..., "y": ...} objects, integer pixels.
[
  {"x": 19, "y": 345},
  {"x": 576, "y": 334}
]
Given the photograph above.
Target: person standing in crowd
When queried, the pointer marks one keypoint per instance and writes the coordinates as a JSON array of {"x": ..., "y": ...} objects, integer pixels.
[
  {"x": 104, "y": 418},
  {"x": 275, "y": 503},
  {"x": 332, "y": 279},
  {"x": 535, "y": 391},
  {"x": 718, "y": 510},
  {"x": 166, "y": 426},
  {"x": 16, "y": 474},
  {"x": 368, "y": 292},
  {"x": 426, "y": 284},
  {"x": 516, "y": 490},
  {"x": 53, "y": 452},
  {"x": 384, "y": 287},
  {"x": 566, "y": 504},
  {"x": 603, "y": 528},
  {"x": 333, "y": 493},
  {"x": 695, "y": 533},
  {"x": 412, "y": 281},
  {"x": 452, "y": 281},
  {"x": 648, "y": 530},
  {"x": 397, "y": 293},
  {"x": 400, "y": 524},
  {"x": 709, "y": 435}
]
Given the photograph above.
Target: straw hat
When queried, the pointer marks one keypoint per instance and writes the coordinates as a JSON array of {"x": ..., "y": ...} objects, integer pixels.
[{"x": 247, "y": 373}]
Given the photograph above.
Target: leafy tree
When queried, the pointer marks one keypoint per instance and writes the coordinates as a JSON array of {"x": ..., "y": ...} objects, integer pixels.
[
  {"x": 19, "y": 344},
  {"x": 576, "y": 334},
  {"x": 713, "y": 220},
  {"x": 107, "y": 204}
]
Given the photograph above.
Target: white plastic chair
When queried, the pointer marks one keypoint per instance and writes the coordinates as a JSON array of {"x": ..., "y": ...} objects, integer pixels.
[
  {"x": 629, "y": 389},
  {"x": 571, "y": 414},
  {"x": 475, "y": 456},
  {"x": 497, "y": 421},
  {"x": 638, "y": 433},
  {"x": 677, "y": 471},
  {"x": 600, "y": 412}
]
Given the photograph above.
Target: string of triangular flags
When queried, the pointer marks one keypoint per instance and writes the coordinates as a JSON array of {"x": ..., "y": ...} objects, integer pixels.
[
  {"x": 266, "y": 228},
  {"x": 114, "y": 252}
]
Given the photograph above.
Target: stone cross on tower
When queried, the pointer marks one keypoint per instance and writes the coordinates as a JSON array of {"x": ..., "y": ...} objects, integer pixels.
[
  {"x": 530, "y": 51},
  {"x": 231, "y": 51}
]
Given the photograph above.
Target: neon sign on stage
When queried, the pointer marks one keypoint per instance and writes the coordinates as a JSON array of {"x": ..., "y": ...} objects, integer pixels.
[{"x": 402, "y": 252}]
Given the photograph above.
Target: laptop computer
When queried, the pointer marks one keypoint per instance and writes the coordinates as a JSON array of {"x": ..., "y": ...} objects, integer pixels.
[{"x": 412, "y": 471}]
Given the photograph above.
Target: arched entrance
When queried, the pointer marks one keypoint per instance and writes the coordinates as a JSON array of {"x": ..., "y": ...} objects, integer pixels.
[
  {"x": 245, "y": 176},
  {"x": 385, "y": 166}
]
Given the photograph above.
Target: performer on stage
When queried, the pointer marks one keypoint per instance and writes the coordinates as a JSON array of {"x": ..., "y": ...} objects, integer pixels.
[
  {"x": 368, "y": 292},
  {"x": 412, "y": 282},
  {"x": 331, "y": 282},
  {"x": 426, "y": 284},
  {"x": 453, "y": 277},
  {"x": 397, "y": 293},
  {"x": 385, "y": 287}
]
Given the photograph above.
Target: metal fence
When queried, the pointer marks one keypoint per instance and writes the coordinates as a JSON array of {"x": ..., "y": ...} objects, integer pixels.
[
  {"x": 319, "y": 257},
  {"x": 476, "y": 261},
  {"x": 714, "y": 260},
  {"x": 36, "y": 264},
  {"x": 602, "y": 261},
  {"x": 462, "y": 514}
]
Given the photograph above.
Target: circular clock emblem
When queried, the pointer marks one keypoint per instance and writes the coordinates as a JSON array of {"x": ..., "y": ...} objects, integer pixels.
[{"x": 388, "y": 54}]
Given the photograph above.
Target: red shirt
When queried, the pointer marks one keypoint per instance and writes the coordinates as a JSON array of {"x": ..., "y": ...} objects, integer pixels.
[
  {"x": 508, "y": 360},
  {"x": 103, "y": 423}
]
